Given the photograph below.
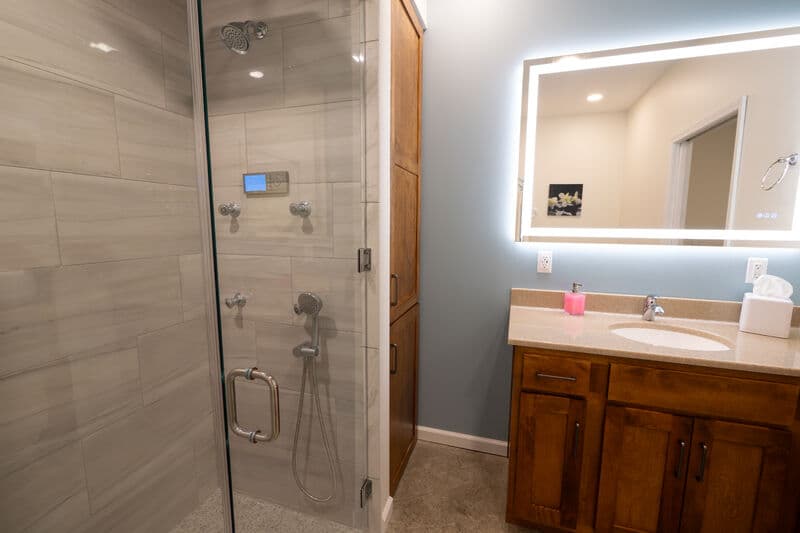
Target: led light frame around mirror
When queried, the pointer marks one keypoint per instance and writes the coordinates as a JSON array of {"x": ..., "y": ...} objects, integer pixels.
[{"x": 532, "y": 69}]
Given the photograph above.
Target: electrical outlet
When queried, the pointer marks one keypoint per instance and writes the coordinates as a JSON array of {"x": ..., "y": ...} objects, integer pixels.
[
  {"x": 756, "y": 267},
  {"x": 544, "y": 265}
]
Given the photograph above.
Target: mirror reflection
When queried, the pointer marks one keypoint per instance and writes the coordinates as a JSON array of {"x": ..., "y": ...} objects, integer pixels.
[{"x": 677, "y": 144}]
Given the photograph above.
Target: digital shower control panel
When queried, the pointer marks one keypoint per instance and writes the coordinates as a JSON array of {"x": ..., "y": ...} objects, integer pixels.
[{"x": 276, "y": 182}]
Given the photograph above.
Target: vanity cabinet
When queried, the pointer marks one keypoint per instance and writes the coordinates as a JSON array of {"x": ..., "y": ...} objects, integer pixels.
[
  {"x": 645, "y": 455},
  {"x": 736, "y": 478},
  {"x": 666, "y": 447},
  {"x": 664, "y": 472},
  {"x": 549, "y": 448},
  {"x": 554, "y": 444}
]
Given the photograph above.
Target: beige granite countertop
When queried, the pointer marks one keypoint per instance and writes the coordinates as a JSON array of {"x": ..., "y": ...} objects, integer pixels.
[{"x": 545, "y": 326}]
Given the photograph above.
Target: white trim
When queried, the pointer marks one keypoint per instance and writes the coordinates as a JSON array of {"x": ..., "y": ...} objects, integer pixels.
[
  {"x": 384, "y": 233},
  {"x": 386, "y": 514},
  {"x": 462, "y": 440}
]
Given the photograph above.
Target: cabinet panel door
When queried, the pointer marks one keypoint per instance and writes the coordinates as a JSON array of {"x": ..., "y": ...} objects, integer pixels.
[
  {"x": 402, "y": 393},
  {"x": 737, "y": 477},
  {"x": 548, "y": 463},
  {"x": 404, "y": 241},
  {"x": 643, "y": 472},
  {"x": 406, "y": 78}
]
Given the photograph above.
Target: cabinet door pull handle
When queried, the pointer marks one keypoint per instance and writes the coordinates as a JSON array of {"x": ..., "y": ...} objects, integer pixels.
[
  {"x": 701, "y": 473},
  {"x": 396, "y": 292},
  {"x": 681, "y": 455},
  {"x": 393, "y": 361},
  {"x": 576, "y": 440},
  {"x": 553, "y": 376}
]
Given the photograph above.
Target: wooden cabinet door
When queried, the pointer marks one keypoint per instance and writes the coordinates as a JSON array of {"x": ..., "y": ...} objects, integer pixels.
[
  {"x": 404, "y": 256},
  {"x": 406, "y": 85},
  {"x": 737, "y": 477},
  {"x": 402, "y": 393},
  {"x": 643, "y": 472},
  {"x": 549, "y": 443}
]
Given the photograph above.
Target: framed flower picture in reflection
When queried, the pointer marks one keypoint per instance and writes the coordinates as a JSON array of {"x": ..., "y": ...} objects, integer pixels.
[{"x": 565, "y": 200}]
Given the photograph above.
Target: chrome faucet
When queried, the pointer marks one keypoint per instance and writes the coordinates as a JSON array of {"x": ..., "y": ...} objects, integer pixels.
[{"x": 651, "y": 308}]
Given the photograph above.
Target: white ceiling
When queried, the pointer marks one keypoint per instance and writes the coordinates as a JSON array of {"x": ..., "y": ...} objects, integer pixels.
[{"x": 565, "y": 93}]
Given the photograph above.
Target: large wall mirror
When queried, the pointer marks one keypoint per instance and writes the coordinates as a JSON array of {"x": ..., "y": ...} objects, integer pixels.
[{"x": 681, "y": 143}]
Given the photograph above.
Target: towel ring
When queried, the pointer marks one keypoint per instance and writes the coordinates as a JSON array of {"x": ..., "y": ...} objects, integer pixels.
[{"x": 787, "y": 162}]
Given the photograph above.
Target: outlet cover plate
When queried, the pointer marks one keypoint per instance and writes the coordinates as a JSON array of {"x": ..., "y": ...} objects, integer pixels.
[
  {"x": 756, "y": 267},
  {"x": 544, "y": 264}
]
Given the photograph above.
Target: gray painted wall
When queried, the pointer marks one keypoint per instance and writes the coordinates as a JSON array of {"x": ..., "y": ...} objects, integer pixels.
[{"x": 472, "y": 85}]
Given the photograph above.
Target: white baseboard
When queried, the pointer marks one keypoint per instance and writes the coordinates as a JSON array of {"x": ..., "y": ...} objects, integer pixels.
[
  {"x": 386, "y": 514},
  {"x": 462, "y": 440}
]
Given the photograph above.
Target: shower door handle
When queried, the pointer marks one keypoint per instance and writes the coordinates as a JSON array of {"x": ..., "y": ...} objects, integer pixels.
[{"x": 252, "y": 374}]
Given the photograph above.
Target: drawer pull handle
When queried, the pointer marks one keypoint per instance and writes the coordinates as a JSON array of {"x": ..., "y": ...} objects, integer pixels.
[
  {"x": 576, "y": 440},
  {"x": 394, "y": 290},
  {"x": 701, "y": 473},
  {"x": 681, "y": 456},
  {"x": 393, "y": 361},
  {"x": 554, "y": 376}
]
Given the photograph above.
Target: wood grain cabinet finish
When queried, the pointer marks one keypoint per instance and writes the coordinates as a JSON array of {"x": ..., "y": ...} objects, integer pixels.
[
  {"x": 406, "y": 85},
  {"x": 666, "y": 448},
  {"x": 404, "y": 255},
  {"x": 737, "y": 478},
  {"x": 645, "y": 460},
  {"x": 549, "y": 444},
  {"x": 404, "y": 208},
  {"x": 402, "y": 393},
  {"x": 405, "y": 157}
]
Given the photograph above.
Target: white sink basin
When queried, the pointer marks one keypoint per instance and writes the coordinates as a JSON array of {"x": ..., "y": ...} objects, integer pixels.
[{"x": 670, "y": 337}]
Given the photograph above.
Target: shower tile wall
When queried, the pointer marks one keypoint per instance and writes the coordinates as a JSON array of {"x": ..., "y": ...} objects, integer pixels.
[
  {"x": 105, "y": 417},
  {"x": 304, "y": 116}
]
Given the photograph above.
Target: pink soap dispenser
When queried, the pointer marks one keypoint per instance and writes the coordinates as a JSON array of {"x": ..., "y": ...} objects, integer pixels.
[{"x": 575, "y": 301}]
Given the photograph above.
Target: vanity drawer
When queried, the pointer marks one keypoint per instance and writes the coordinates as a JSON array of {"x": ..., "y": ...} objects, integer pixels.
[
  {"x": 701, "y": 394},
  {"x": 554, "y": 373}
]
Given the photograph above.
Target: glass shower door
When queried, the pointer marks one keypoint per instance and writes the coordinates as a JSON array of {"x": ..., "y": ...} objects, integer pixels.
[{"x": 284, "y": 101}]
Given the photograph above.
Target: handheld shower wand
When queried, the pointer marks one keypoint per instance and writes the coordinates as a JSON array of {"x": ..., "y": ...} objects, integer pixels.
[{"x": 310, "y": 304}]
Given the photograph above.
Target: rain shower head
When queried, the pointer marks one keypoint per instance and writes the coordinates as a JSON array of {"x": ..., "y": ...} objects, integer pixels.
[
  {"x": 308, "y": 303},
  {"x": 236, "y": 35}
]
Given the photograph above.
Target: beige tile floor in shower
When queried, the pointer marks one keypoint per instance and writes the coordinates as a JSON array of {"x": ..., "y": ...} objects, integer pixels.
[{"x": 255, "y": 516}]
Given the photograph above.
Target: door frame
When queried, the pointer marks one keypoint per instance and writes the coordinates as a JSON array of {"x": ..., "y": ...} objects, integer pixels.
[{"x": 681, "y": 159}]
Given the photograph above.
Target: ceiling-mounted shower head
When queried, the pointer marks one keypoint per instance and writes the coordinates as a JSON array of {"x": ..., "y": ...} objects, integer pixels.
[
  {"x": 236, "y": 35},
  {"x": 308, "y": 303}
]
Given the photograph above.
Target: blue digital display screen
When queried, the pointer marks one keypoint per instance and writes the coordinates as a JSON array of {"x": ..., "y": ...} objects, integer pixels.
[{"x": 255, "y": 183}]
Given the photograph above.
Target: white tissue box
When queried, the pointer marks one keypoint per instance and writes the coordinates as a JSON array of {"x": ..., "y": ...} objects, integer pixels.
[{"x": 766, "y": 315}]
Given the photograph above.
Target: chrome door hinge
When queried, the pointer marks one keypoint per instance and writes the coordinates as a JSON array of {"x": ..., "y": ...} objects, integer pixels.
[
  {"x": 364, "y": 259},
  {"x": 366, "y": 491}
]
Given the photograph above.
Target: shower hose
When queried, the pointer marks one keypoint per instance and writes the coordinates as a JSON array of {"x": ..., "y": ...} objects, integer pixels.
[{"x": 310, "y": 372}]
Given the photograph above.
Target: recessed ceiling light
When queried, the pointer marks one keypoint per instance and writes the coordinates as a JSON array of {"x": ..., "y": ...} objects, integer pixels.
[
  {"x": 359, "y": 58},
  {"x": 103, "y": 47},
  {"x": 594, "y": 97},
  {"x": 257, "y": 74}
]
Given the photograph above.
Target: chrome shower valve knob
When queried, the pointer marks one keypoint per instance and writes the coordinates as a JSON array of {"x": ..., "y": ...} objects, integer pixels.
[
  {"x": 238, "y": 301},
  {"x": 232, "y": 209},
  {"x": 300, "y": 209}
]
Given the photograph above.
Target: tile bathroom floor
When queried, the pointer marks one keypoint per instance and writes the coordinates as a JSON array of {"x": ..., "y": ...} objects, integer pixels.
[{"x": 447, "y": 489}]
